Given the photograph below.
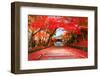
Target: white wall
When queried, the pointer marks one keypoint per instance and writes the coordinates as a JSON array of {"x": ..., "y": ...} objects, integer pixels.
[{"x": 5, "y": 41}]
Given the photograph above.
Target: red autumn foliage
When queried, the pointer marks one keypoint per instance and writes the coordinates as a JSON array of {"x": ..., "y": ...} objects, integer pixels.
[{"x": 71, "y": 24}]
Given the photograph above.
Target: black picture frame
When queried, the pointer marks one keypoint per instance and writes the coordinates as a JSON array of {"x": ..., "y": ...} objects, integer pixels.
[{"x": 15, "y": 37}]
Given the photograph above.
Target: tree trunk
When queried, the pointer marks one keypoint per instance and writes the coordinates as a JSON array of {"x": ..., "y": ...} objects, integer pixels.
[
  {"x": 50, "y": 37},
  {"x": 30, "y": 41}
]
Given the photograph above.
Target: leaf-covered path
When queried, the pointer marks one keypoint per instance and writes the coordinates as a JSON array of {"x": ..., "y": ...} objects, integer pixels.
[{"x": 54, "y": 52}]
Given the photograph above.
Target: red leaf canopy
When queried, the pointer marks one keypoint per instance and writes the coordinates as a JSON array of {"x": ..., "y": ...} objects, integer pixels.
[{"x": 71, "y": 24}]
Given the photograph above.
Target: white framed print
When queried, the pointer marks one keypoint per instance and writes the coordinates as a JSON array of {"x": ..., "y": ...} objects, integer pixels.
[{"x": 51, "y": 37}]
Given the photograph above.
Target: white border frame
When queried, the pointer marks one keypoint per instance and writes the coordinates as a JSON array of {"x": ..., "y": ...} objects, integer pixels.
[{"x": 25, "y": 64}]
